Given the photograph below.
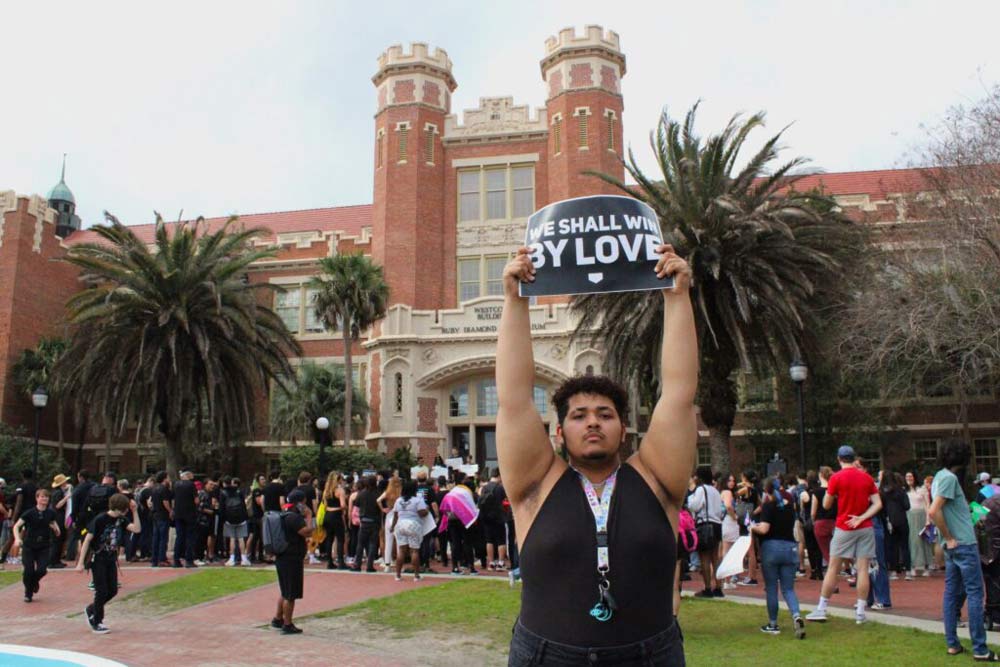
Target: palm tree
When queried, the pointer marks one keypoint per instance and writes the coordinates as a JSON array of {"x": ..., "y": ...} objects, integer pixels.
[
  {"x": 166, "y": 333},
  {"x": 767, "y": 262},
  {"x": 34, "y": 368},
  {"x": 351, "y": 293},
  {"x": 317, "y": 391}
]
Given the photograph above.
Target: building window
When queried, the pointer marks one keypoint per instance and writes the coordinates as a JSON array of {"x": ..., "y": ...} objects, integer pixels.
[
  {"x": 557, "y": 135},
  {"x": 582, "y": 137},
  {"x": 872, "y": 456},
  {"x": 610, "y": 128},
  {"x": 287, "y": 305},
  {"x": 312, "y": 324},
  {"x": 379, "y": 147},
  {"x": 496, "y": 193},
  {"x": 480, "y": 276},
  {"x": 704, "y": 456},
  {"x": 760, "y": 458},
  {"x": 987, "y": 456},
  {"x": 925, "y": 451},
  {"x": 589, "y": 370},
  {"x": 486, "y": 398},
  {"x": 399, "y": 393},
  {"x": 404, "y": 136},
  {"x": 458, "y": 401},
  {"x": 468, "y": 195},
  {"x": 541, "y": 404},
  {"x": 429, "y": 132},
  {"x": 756, "y": 391}
]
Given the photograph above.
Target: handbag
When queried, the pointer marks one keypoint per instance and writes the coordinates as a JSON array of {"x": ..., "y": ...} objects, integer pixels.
[{"x": 705, "y": 529}]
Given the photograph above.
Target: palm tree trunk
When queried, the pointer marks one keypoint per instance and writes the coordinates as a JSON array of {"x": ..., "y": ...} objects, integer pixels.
[
  {"x": 718, "y": 441},
  {"x": 348, "y": 383},
  {"x": 171, "y": 454},
  {"x": 107, "y": 449},
  {"x": 60, "y": 417}
]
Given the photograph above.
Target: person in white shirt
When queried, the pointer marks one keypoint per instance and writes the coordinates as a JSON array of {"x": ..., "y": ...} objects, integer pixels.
[
  {"x": 705, "y": 505},
  {"x": 921, "y": 551}
]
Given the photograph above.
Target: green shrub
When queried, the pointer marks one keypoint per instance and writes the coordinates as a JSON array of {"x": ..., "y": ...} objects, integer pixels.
[{"x": 16, "y": 452}]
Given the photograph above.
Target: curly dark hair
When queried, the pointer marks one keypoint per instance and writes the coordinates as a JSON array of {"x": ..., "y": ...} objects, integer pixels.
[
  {"x": 954, "y": 452},
  {"x": 599, "y": 385}
]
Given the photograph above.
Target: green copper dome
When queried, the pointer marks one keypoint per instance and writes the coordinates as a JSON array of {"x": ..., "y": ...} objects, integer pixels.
[{"x": 61, "y": 192}]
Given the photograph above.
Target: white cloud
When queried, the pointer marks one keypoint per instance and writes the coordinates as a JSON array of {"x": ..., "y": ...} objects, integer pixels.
[{"x": 246, "y": 107}]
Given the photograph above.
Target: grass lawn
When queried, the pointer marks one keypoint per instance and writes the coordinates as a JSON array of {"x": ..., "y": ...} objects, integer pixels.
[
  {"x": 8, "y": 578},
  {"x": 201, "y": 586},
  {"x": 715, "y": 631}
]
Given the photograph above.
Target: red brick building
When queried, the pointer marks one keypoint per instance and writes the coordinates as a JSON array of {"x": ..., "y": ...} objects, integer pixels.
[{"x": 451, "y": 197}]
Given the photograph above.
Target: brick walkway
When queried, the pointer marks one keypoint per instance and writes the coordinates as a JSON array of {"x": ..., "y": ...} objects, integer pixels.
[{"x": 228, "y": 632}]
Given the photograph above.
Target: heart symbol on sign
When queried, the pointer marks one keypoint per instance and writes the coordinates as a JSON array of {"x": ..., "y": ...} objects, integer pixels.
[{"x": 595, "y": 277}]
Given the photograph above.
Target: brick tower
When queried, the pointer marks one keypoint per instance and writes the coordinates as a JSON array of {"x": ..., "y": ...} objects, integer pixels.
[
  {"x": 414, "y": 96},
  {"x": 583, "y": 79}
]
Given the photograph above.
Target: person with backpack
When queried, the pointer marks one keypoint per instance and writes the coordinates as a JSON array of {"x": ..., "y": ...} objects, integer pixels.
[
  {"x": 287, "y": 543},
  {"x": 234, "y": 511},
  {"x": 705, "y": 505},
  {"x": 105, "y": 535},
  {"x": 494, "y": 522}
]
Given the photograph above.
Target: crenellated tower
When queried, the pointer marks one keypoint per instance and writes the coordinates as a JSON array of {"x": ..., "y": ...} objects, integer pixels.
[
  {"x": 583, "y": 79},
  {"x": 414, "y": 95}
]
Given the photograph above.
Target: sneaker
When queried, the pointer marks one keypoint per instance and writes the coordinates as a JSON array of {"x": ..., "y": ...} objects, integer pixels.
[
  {"x": 455, "y": 572},
  {"x": 277, "y": 623},
  {"x": 704, "y": 593},
  {"x": 893, "y": 577},
  {"x": 878, "y": 606},
  {"x": 231, "y": 562},
  {"x": 89, "y": 617},
  {"x": 728, "y": 586},
  {"x": 398, "y": 578},
  {"x": 190, "y": 565},
  {"x": 925, "y": 573},
  {"x": 746, "y": 581},
  {"x": 291, "y": 629},
  {"x": 313, "y": 560},
  {"x": 100, "y": 629},
  {"x": 200, "y": 563},
  {"x": 27, "y": 597},
  {"x": 817, "y": 615},
  {"x": 770, "y": 629},
  {"x": 417, "y": 577},
  {"x": 473, "y": 572},
  {"x": 909, "y": 576},
  {"x": 800, "y": 573},
  {"x": 245, "y": 562},
  {"x": 860, "y": 619},
  {"x": 800, "y": 628},
  {"x": 717, "y": 593},
  {"x": 91, "y": 585}
]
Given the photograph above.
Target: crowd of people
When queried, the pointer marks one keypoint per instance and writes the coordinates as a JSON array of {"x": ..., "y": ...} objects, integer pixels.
[{"x": 355, "y": 521}]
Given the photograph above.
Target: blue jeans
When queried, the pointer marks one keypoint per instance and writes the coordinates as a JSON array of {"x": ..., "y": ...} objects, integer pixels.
[
  {"x": 779, "y": 560},
  {"x": 161, "y": 533},
  {"x": 963, "y": 577},
  {"x": 879, "y": 589}
]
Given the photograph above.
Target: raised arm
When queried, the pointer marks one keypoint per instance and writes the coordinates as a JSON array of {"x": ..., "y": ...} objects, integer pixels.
[
  {"x": 523, "y": 449},
  {"x": 668, "y": 450}
]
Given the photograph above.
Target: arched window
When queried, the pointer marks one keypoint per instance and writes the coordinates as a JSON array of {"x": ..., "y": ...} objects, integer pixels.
[{"x": 399, "y": 393}]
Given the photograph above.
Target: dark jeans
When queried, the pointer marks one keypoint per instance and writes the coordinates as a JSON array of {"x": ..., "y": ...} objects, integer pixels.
[
  {"x": 145, "y": 547},
  {"x": 665, "y": 649},
  {"x": 879, "y": 589},
  {"x": 779, "y": 559},
  {"x": 898, "y": 548},
  {"x": 184, "y": 540},
  {"x": 367, "y": 541},
  {"x": 334, "y": 526},
  {"x": 104, "y": 571},
  {"x": 815, "y": 555},
  {"x": 56, "y": 548},
  {"x": 36, "y": 562},
  {"x": 161, "y": 534}
]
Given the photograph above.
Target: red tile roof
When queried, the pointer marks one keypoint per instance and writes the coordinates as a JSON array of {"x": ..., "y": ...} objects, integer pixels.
[
  {"x": 880, "y": 182},
  {"x": 347, "y": 220}
]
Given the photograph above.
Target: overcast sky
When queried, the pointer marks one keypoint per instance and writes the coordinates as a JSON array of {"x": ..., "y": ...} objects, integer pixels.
[{"x": 245, "y": 107}]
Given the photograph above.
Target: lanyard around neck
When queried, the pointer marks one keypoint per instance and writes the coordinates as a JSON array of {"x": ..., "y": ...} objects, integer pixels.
[{"x": 600, "y": 507}]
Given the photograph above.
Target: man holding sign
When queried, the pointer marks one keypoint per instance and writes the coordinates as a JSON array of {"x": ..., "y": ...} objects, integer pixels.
[{"x": 597, "y": 537}]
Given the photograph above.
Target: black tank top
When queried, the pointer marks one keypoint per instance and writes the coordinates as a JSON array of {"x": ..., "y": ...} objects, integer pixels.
[{"x": 559, "y": 565}]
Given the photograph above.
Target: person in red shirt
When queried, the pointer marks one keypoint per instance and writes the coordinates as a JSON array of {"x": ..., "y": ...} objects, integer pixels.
[{"x": 858, "y": 501}]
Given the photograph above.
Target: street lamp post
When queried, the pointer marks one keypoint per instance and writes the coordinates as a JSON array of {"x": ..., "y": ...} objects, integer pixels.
[
  {"x": 323, "y": 426},
  {"x": 39, "y": 398},
  {"x": 799, "y": 372}
]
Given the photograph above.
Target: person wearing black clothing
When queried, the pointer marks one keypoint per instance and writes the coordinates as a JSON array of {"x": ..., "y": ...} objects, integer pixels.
[
  {"x": 775, "y": 527},
  {"x": 205, "y": 524},
  {"x": 160, "y": 510},
  {"x": 105, "y": 536},
  {"x": 895, "y": 505},
  {"x": 142, "y": 502},
  {"x": 38, "y": 525},
  {"x": 274, "y": 495},
  {"x": 78, "y": 499},
  {"x": 494, "y": 522},
  {"x": 185, "y": 519},
  {"x": 297, "y": 524},
  {"x": 335, "y": 501},
  {"x": 24, "y": 494},
  {"x": 306, "y": 487},
  {"x": 439, "y": 494},
  {"x": 426, "y": 492},
  {"x": 369, "y": 513},
  {"x": 598, "y": 559},
  {"x": 59, "y": 501},
  {"x": 256, "y": 518}
]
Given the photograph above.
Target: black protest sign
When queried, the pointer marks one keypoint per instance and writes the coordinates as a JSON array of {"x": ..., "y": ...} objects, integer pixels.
[{"x": 587, "y": 245}]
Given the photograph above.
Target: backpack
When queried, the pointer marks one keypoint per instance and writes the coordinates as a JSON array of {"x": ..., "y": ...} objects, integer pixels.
[
  {"x": 687, "y": 531},
  {"x": 235, "y": 509},
  {"x": 273, "y": 533},
  {"x": 97, "y": 502},
  {"x": 487, "y": 503}
]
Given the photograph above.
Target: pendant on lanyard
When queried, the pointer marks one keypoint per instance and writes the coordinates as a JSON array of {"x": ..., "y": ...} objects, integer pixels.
[{"x": 605, "y": 606}]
